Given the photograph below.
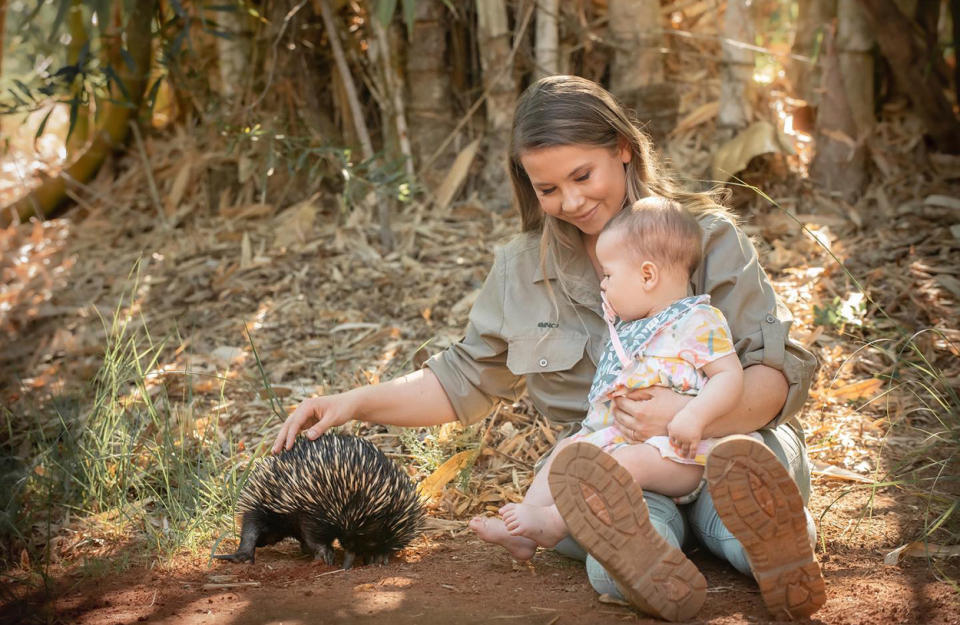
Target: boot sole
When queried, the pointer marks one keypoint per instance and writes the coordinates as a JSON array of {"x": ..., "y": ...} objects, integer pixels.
[
  {"x": 605, "y": 512},
  {"x": 761, "y": 505}
]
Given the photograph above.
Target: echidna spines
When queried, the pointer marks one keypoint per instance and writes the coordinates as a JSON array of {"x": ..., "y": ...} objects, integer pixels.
[{"x": 337, "y": 486}]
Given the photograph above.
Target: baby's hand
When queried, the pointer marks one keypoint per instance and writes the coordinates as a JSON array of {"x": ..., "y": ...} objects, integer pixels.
[{"x": 685, "y": 431}]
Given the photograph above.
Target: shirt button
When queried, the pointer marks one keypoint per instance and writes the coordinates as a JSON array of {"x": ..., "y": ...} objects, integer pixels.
[
  {"x": 543, "y": 362},
  {"x": 771, "y": 319}
]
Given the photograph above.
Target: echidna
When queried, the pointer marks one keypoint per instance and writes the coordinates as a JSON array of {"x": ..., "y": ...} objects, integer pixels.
[{"x": 336, "y": 486}]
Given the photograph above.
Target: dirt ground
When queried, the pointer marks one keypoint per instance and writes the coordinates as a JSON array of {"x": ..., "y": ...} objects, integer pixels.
[
  {"x": 452, "y": 577},
  {"x": 448, "y": 575}
]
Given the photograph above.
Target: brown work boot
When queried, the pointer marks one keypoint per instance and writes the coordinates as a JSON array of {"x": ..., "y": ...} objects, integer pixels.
[
  {"x": 761, "y": 506},
  {"x": 605, "y": 512}
]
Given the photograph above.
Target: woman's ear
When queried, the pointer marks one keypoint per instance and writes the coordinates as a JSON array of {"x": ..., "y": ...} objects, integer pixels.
[
  {"x": 624, "y": 153},
  {"x": 650, "y": 274}
]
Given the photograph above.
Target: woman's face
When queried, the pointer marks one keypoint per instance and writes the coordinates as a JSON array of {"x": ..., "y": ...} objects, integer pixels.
[{"x": 582, "y": 185}]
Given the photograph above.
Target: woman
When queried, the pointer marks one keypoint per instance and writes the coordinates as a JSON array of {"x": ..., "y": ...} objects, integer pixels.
[{"x": 576, "y": 160}]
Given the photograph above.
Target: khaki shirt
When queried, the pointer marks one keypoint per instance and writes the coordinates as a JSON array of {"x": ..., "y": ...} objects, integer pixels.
[{"x": 518, "y": 338}]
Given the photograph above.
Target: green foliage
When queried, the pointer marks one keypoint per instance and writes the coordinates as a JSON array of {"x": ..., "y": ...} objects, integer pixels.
[
  {"x": 931, "y": 467},
  {"x": 841, "y": 312},
  {"x": 429, "y": 447},
  {"x": 142, "y": 461},
  {"x": 302, "y": 159}
]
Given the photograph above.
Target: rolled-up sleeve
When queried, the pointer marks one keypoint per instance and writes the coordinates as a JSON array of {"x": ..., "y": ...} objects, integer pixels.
[
  {"x": 731, "y": 274},
  {"x": 473, "y": 371}
]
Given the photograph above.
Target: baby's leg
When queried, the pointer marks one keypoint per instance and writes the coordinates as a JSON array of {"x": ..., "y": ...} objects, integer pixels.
[
  {"x": 653, "y": 472},
  {"x": 525, "y": 525},
  {"x": 536, "y": 517}
]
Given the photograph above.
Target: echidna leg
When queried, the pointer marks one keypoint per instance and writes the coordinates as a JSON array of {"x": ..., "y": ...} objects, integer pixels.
[
  {"x": 248, "y": 542},
  {"x": 319, "y": 550}
]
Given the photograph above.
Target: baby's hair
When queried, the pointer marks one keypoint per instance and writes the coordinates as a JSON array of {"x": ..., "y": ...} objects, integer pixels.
[{"x": 663, "y": 230}]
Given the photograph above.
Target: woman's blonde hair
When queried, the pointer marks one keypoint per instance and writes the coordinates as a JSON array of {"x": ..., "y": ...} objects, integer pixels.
[{"x": 570, "y": 110}]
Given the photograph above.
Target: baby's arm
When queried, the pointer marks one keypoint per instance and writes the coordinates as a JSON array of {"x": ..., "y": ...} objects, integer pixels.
[{"x": 718, "y": 396}]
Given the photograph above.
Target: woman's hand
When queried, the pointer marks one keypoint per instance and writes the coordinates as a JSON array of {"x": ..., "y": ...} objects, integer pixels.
[
  {"x": 642, "y": 413},
  {"x": 322, "y": 413}
]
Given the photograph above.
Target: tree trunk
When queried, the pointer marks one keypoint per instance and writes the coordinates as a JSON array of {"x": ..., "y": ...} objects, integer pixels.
[
  {"x": 3, "y": 21},
  {"x": 855, "y": 52},
  {"x": 430, "y": 98},
  {"x": 547, "y": 38},
  {"x": 636, "y": 71},
  {"x": 955, "y": 18},
  {"x": 394, "y": 115},
  {"x": 112, "y": 122},
  {"x": 736, "y": 73},
  {"x": 804, "y": 75},
  {"x": 346, "y": 78},
  {"x": 234, "y": 54},
  {"x": 79, "y": 39},
  {"x": 497, "y": 66},
  {"x": 839, "y": 162},
  {"x": 906, "y": 52}
]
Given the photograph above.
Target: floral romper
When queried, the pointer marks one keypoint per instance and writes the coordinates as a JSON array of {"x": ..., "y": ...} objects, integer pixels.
[{"x": 669, "y": 349}]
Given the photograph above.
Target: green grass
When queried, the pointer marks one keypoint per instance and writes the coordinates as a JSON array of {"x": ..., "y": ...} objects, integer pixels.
[{"x": 124, "y": 455}]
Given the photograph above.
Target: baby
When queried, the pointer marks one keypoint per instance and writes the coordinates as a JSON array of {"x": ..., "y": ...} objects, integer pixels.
[{"x": 647, "y": 254}]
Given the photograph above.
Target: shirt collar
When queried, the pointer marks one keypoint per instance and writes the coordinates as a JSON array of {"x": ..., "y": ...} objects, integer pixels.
[{"x": 584, "y": 285}]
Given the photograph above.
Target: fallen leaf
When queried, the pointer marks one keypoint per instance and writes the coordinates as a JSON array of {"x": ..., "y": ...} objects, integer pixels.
[
  {"x": 919, "y": 549},
  {"x": 943, "y": 201},
  {"x": 760, "y": 137},
  {"x": 456, "y": 175},
  {"x": 837, "y": 473},
  {"x": 857, "y": 390},
  {"x": 699, "y": 115},
  {"x": 295, "y": 225},
  {"x": 433, "y": 485}
]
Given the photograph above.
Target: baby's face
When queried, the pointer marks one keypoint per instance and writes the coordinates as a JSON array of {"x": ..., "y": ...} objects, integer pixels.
[{"x": 623, "y": 278}]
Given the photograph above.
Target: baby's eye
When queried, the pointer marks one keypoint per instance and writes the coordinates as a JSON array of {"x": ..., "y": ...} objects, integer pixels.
[{"x": 583, "y": 178}]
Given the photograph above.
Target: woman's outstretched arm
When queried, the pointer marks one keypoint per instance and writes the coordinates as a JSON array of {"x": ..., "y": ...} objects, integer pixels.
[{"x": 414, "y": 400}]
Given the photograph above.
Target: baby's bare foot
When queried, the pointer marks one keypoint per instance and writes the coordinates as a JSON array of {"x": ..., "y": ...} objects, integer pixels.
[
  {"x": 493, "y": 531},
  {"x": 541, "y": 524}
]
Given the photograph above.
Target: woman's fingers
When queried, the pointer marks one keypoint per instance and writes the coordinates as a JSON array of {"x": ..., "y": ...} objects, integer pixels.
[
  {"x": 638, "y": 394},
  {"x": 304, "y": 414}
]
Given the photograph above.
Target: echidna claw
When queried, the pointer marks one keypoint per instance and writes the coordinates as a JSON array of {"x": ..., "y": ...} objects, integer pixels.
[
  {"x": 348, "y": 557},
  {"x": 239, "y": 556},
  {"x": 325, "y": 553}
]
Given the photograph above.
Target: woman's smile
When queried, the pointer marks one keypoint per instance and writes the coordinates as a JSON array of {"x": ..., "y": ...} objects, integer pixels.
[{"x": 570, "y": 178}]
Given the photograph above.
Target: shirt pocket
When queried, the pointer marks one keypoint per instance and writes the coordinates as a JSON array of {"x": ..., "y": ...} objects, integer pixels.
[{"x": 546, "y": 353}]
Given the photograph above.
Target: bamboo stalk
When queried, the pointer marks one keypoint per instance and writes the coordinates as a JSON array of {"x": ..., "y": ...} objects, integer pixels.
[
  {"x": 113, "y": 128},
  {"x": 323, "y": 7},
  {"x": 395, "y": 95},
  {"x": 486, "y": 92},
  {"x": 3, "y": 20},
  {"x": 151, "y": 184},
  {"x": 546, "y": 47},
  {"x": 736, "y": 68}
]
